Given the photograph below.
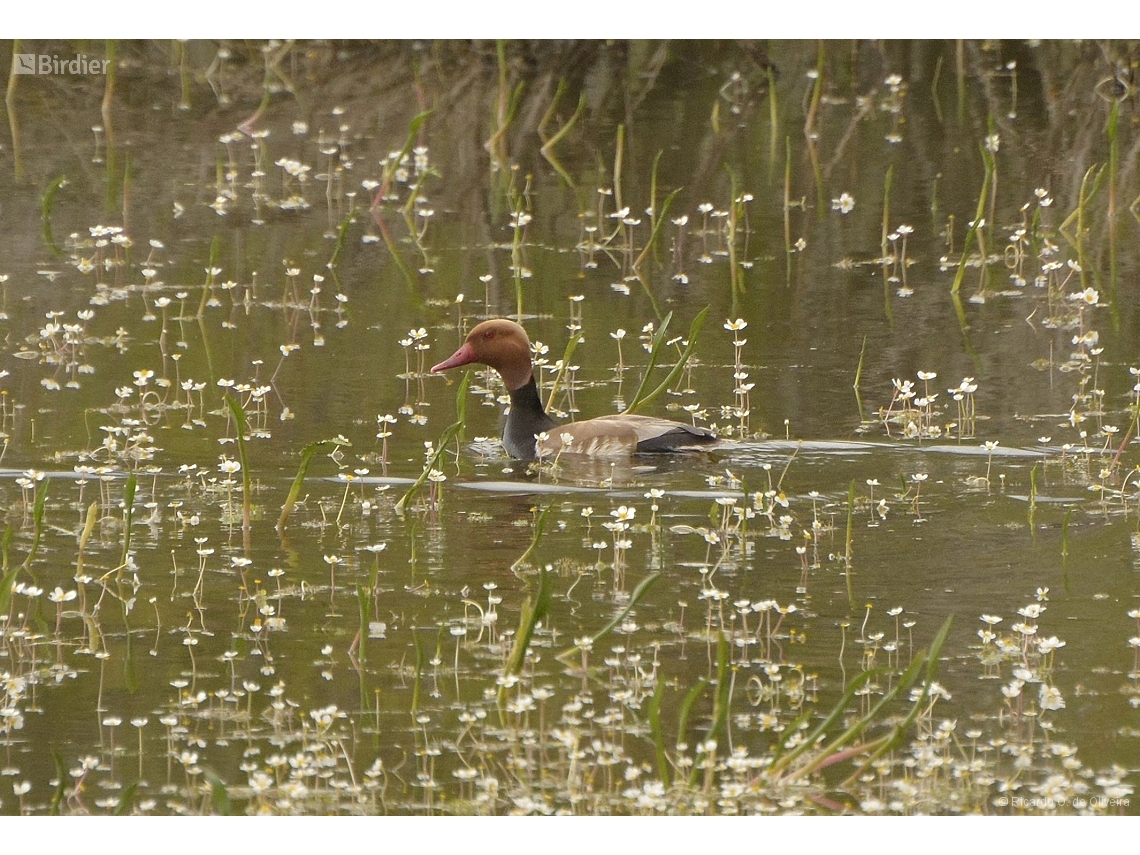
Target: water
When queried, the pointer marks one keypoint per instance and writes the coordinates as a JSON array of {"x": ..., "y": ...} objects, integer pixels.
[{"x": 354, "y": 660}]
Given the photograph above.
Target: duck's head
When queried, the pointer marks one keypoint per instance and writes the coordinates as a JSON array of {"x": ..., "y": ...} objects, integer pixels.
[{"x": 500, "y": 344}]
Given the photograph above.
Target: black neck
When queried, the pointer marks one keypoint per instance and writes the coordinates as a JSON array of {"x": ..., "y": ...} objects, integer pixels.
[{"x": 526, "y": 418}]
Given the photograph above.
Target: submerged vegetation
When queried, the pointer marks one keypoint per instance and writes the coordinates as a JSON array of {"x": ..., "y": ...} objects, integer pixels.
[{"x": 258, "y": 560}]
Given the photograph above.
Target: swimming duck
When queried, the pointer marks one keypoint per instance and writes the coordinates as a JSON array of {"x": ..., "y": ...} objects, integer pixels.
[{"x": 504, "y": 346}]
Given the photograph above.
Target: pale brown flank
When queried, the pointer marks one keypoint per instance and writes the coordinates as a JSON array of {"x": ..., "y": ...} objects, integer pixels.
[{"x": 504, "y": 346}]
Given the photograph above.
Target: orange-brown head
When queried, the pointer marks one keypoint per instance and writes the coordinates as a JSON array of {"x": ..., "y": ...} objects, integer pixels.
[{"x": 500, "y": 344}]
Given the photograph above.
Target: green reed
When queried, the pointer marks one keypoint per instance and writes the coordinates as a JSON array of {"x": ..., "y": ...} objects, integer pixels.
[
  {"x": 654, "y": 213},
  {"x": 108, "y": 124},
  {"x": 1065, "y": 533},
  {"x": 659, "y": 221},
  {"x": 788, "y": 208},
  {"x": 638, "y": 592},
  {"x": 653, "y": 712},
  {"x": 548, "y": 143},
  {"x": 452, "y": 432},
  {"x": 46, "y": 206},
  {"x": 974, "y": 233},
  {"x": 506, "y": 105},
  {"x": 773, "y": 119},
  {"x": 536, "y": 538},
  {"x": 1090, "y": 186},
  {"x": 641, "y": 397},
  {"x": 387, "y": 175},
  {"x": 687, "y": 707},
  {"x": 619, "y": 158},
  {"x": 859, "y": 376},
  {"x": 307, "y": 455},
  {"x": 10, "y": 105},
  {"x": 409, "y": 140},
  {"x": 208, "y": 286},
  {"x": 848, "y": 570},
  {"x": 571, "y": 346},
  {"x": 1032, "y": 496},
  {"x": 127, "y": 800},
  {"x": 735, "y": 208},
  {"x": 128, "y": 516},
  {"x": 532, "y": 612},
  {"x": 272, "y": 69},
  {"x": 364, "y": 603},
  {"x": 1113, "y": 170},
  {"x": 721, "y": 702},
  {"x": 341, "y": 239},
  {"x": 61, "y": 779},
  {"x": 37, "y": 521},
  {"x": 238, "y": 413},
  {"x": 8, "y": 580},
  {"x": 817, "y": 754},
  {"x": 520, "y": 216},
  {"x": 878, "y": 748},
  {"x": 417, "y": 683},
  {"x": 810, "y": 132}
]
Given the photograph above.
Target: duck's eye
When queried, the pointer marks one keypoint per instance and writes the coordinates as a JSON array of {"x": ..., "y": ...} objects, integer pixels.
[{"x": 489, "y": 334}]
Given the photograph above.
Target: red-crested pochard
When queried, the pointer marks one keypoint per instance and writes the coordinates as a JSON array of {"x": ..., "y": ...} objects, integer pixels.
[{"x": 504, "y": 346}]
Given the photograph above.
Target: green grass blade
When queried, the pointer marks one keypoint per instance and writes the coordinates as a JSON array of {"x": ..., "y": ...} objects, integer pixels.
[
  {"x": 246, "y": 491},
  {"x": 721, "y": 698},
  {"x": 38, "y": 521},
  {"x": 219, "y": 794},
  {"x": 683, "y": 718},
  {"x": 637, "y": 594},
  {"x": 654, "y": 353},
  {"x": 126, "y": 800},
  {"x": 640, "y": 399},
  {"x": 654, "y": 711},
  {"x": 46, "y": 212},
  {"x": 444, "y": 441},
  {"x": 979, "y": 215},
  {"x": 534, "y": 610},
  {"x": 61, "y": 779},
  {"x": 307, "y": 455},
  {"x": 660, "y": 219},
  {"x": 539, "y": 524},
  {"x": 7, "y": 582},
  {"x": 571, "y": 345}
]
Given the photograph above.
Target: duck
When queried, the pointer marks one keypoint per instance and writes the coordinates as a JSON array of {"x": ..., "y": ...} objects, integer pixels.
[{"x": 530, "y": 433}]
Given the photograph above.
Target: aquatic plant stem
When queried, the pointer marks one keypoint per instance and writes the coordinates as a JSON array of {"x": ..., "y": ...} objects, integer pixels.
[
  {"x": 640, "y": 397},
  {"x": 128, "y": 516},
  {"x": 307, "y": 455},
  {"x": 858, "y": 377},
  {"x": 979, "y": 218},
  {"x": 442, "y": 446},
  {"x": 13, "y": 120},
  {"x": 539, "y": 524},
  {"x": 848, "y": 570},
  {"x": 532, "y": 612},
  {"x": 571, "y": 346},
  {"x": 548, "y": 143},
  {"x": 660, "y": 220},
  {"x": 246, "y": 488}
]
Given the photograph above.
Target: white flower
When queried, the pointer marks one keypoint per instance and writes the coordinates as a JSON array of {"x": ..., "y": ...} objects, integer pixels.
[
  {"x": 844, "y": 204},
  {"x": 1050, "y": 698},
  {"x": 61, "y": 596}
]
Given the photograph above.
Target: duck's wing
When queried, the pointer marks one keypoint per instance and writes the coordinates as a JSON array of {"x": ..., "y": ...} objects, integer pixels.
[
  {"x": 664, "y": 435},
  {"x": 623, "y": 435}
]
